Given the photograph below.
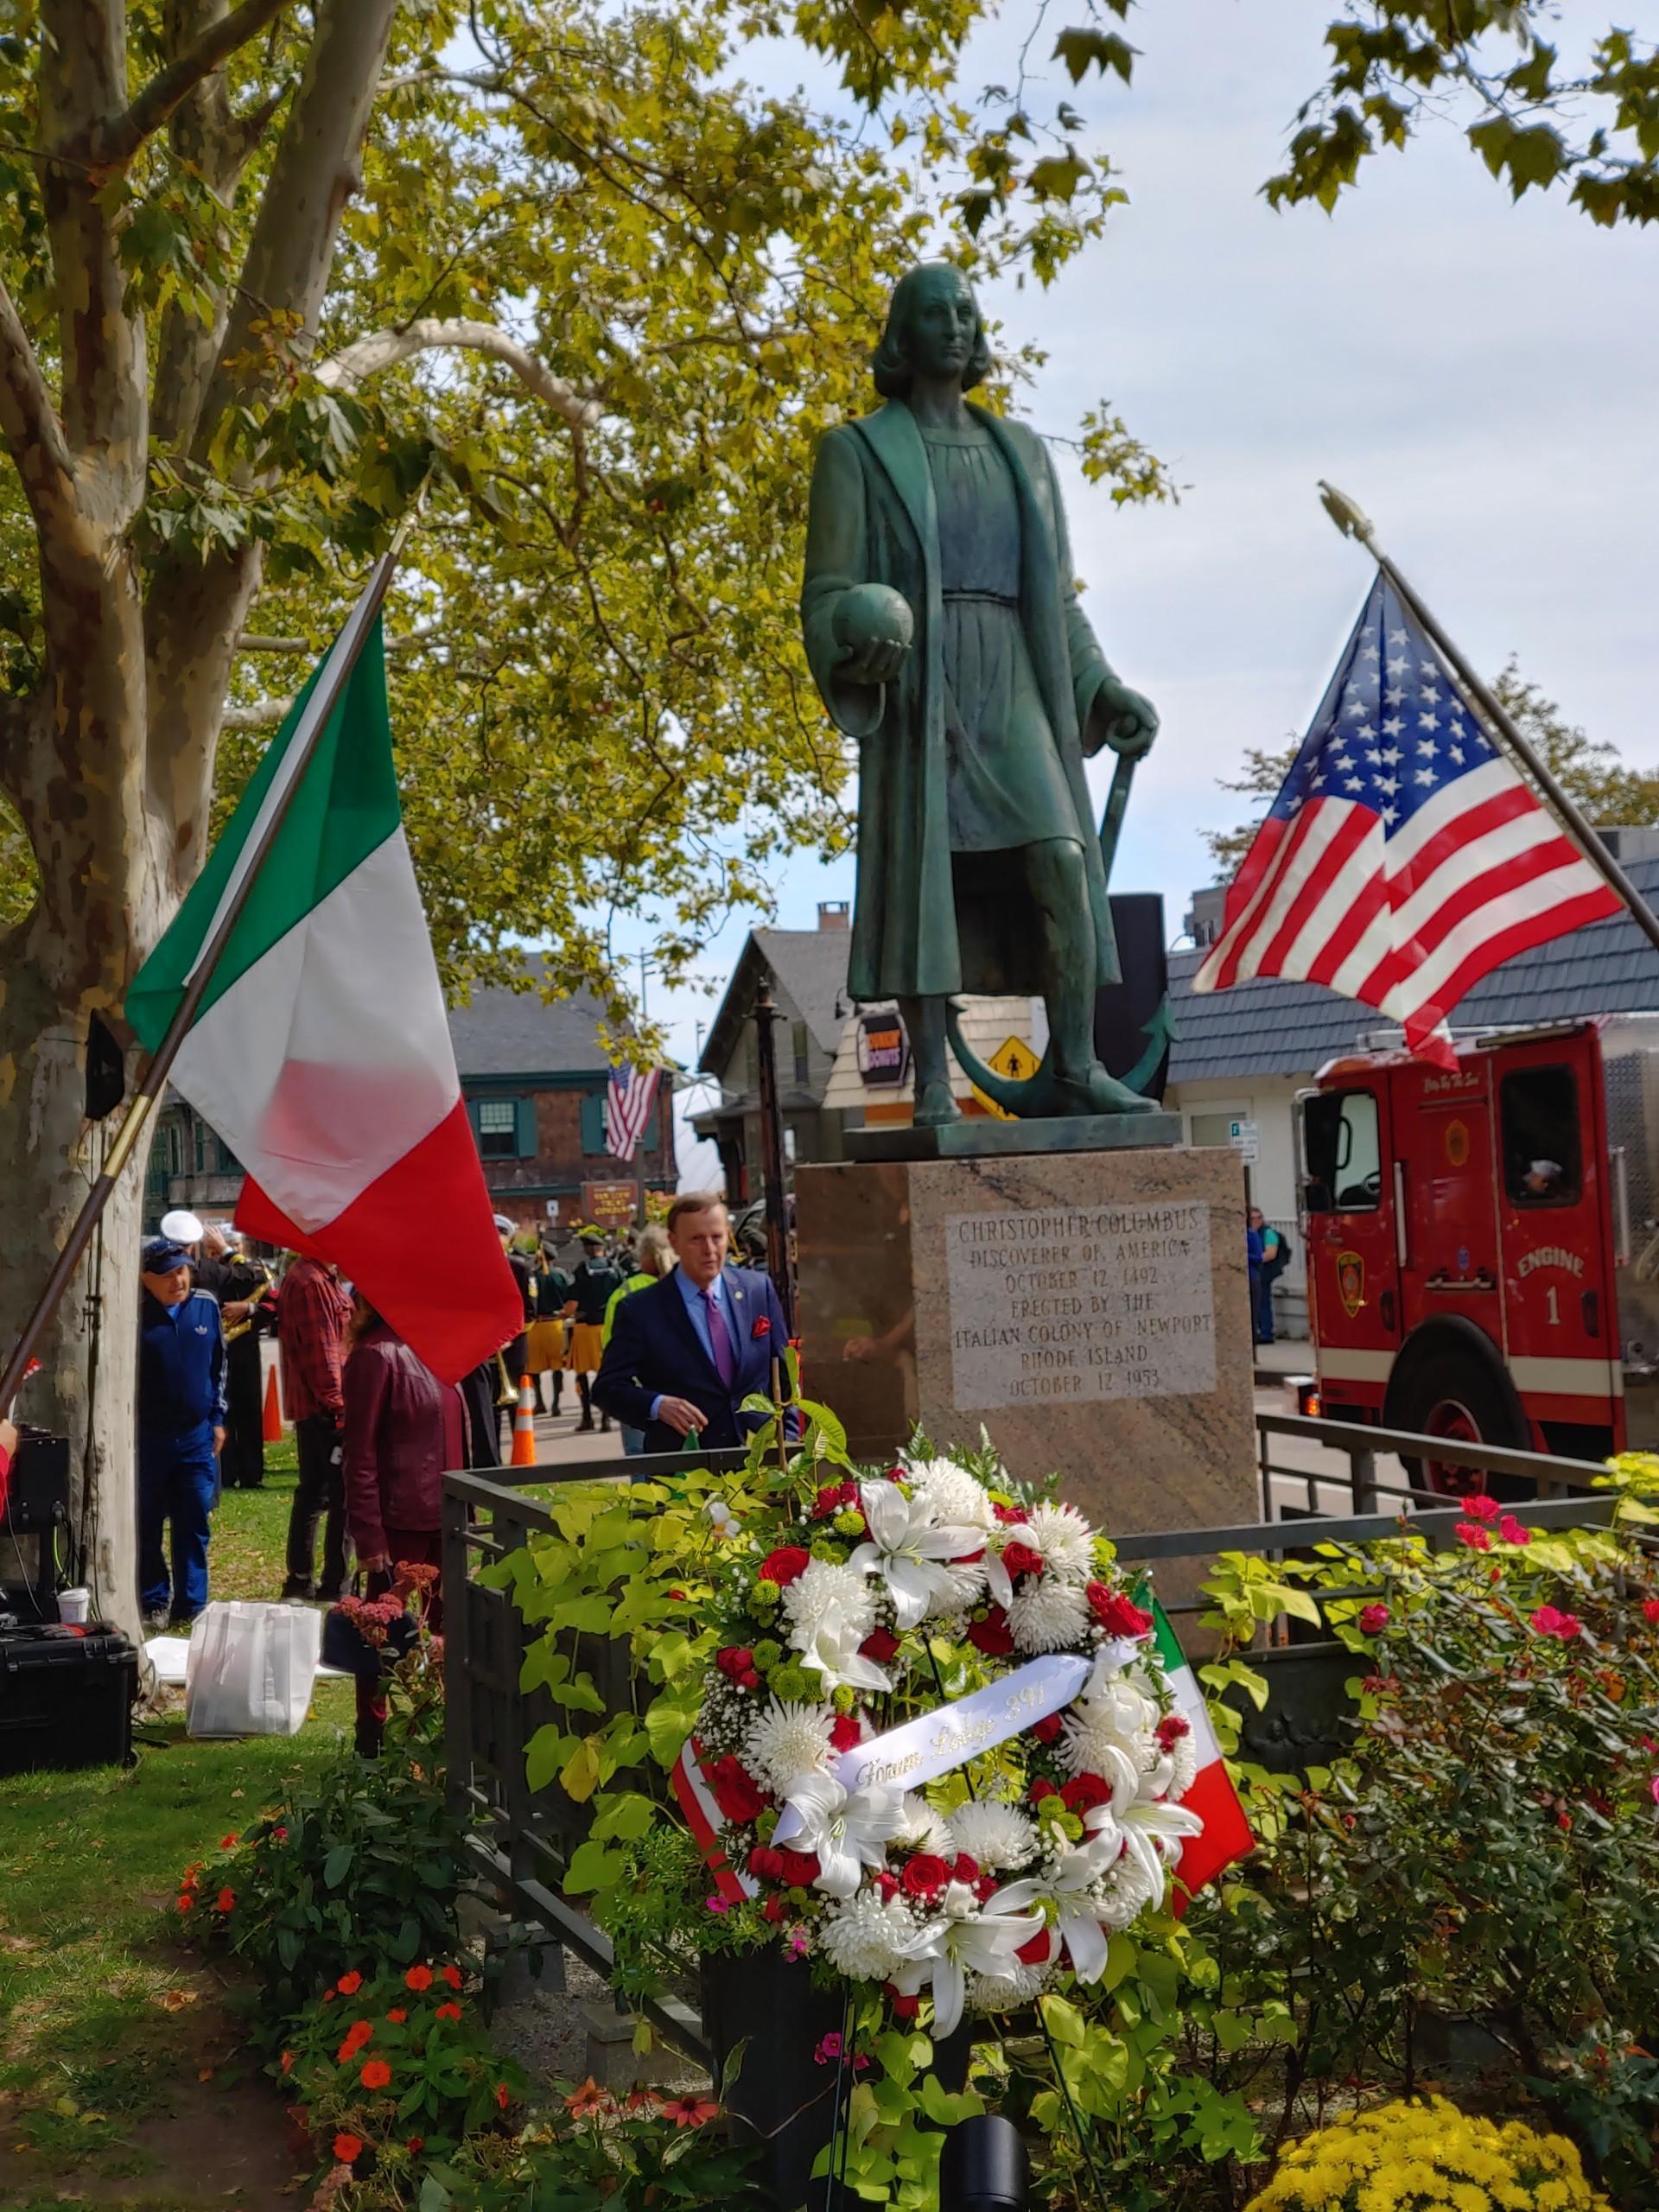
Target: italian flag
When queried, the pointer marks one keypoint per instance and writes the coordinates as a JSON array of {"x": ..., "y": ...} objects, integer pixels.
[
  {"x": 1226, "y": 1834},
  {"x": 321, "y": 1051}
]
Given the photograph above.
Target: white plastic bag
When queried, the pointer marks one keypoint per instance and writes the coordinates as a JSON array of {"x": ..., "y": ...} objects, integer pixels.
[{"x": 251, "y": 1668}]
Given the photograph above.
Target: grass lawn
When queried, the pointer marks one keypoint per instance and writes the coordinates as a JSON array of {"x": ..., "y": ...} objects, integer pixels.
[{"x": 114, "y": 2085}]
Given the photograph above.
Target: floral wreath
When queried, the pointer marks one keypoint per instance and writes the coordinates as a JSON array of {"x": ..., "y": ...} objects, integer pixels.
[{"x": 1021, "y": 1862}]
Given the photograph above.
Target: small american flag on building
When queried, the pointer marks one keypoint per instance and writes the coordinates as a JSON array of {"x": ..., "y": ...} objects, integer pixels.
[
  {"x": 1405, "y": 855},
  {"x": 629, "y": 1098}
]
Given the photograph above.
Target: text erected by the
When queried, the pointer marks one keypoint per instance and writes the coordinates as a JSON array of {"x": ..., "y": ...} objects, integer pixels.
[{"x": 1069, "y": 1303}]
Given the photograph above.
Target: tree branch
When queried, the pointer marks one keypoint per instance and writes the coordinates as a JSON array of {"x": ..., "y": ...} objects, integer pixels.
[
  {"x": 30, "y": 422},
  {"x": 122, "y": 136},
  {"x": 383, "y": 349},
  {"x": 259, "y": 715}
]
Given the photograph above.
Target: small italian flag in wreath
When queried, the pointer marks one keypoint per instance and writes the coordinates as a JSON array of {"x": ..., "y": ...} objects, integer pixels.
[{"x": 1226, "y": 1834}]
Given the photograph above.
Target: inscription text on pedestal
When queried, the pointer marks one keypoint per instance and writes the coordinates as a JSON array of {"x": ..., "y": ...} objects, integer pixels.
[{"x": 1069, "y": 1303}]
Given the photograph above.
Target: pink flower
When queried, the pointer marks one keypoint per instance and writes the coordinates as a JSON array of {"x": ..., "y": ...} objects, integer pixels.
[
  {"x": 1650, "y": 1610},
  {"x": 830, "y": 2048},
  {"x": 1514, "y": 1531},
  {"x": 1482, "y": 1508},
  {"x": 1653, "y": 1789},
  {"x": 1548, "y": 1620},
  {"x": 717, "y": 1905},
  {"x": 1373, "y": 1619},
  {"x": 795, "y": 1947},
  {"x": 1471, "y": 1533}
]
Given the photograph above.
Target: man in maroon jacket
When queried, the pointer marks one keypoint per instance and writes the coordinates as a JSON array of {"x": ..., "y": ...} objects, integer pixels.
[{"x": 312, "y": 1315}]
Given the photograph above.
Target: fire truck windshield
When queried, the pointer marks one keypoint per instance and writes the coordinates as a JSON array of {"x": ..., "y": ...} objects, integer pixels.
[
  {"x": 1344, "y": 1170},
  {"x": 1538, "y": 1110}
]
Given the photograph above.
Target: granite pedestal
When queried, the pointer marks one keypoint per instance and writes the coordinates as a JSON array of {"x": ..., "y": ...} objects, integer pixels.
[{"x": 1089, "y": 1309}]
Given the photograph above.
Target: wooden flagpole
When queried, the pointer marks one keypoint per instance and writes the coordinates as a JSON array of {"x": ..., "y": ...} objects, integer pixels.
[
  {"x": 337, "y": 669},
  {"x": 1353, "y": 522}
]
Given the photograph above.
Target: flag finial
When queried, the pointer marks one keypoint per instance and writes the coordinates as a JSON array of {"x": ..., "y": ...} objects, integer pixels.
[{"x": 1348, "y": 515}]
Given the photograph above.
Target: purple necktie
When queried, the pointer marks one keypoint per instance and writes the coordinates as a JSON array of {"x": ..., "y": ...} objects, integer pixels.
[{"x": 720, "y": 1339}]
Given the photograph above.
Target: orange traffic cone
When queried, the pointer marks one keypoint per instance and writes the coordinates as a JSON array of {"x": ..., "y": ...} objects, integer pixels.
[
  {"x": 523, "y": 1427},
  {"x": 273, "y": 1426}
]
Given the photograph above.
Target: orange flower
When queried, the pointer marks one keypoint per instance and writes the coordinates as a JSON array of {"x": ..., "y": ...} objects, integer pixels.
[
  {"x": 224, "y": 1901},
  {"x": 377, "y": 2074},
  {"x": 288, "y": 2062},
  {"x": 349, "y": 1983},
  {"x": 502, "y": 2097},
  {"x": 447, "y": 2013},
  {"x": 356, "y": 2035},
  {"x": 186, "y": 1900},
  {"x": 227, "y": 1843},
  {"x": 347, "y": 2148},
  {"x": 398, "y": 2016},
  {"x": 588, "y": 2098},
  {"x": 419, "y": 1978},
  {"x": 690, "y": 2112},
  {"x": 452, "y": 1975},
  {"x": 415, "y": 2145}
]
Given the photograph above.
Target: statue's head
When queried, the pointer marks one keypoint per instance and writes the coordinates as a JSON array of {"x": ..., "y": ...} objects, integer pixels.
[{"x": 934, "y": 329}]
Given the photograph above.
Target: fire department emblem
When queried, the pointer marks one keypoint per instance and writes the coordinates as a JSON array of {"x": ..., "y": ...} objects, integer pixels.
[
  {"x": 1351, "y": 1282},
  {"x": 1457, "y": 1143}
]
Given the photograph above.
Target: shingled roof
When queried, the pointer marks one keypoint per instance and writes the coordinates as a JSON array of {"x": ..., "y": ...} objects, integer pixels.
[
  {"x": 809, "y": 965},
  {"x": 502, "y": 1032},
  {"x": 1277, "y": 1028}
]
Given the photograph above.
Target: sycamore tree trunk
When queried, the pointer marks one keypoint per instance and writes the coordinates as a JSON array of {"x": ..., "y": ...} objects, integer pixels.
[{"x": 109, "y": 761}]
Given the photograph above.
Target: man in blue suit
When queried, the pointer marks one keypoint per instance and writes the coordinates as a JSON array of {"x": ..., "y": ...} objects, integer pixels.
[{"x": 685, "y": 1354}]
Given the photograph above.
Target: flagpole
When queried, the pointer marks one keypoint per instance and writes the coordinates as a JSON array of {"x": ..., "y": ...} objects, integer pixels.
[
  {"x": 336, "y": 674},
  {"x": 1353, "y": 522}
]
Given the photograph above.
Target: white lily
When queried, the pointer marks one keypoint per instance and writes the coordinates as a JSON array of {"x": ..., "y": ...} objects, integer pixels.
[
  {"x": 1067, "y": 1884},
  {"x": 907, "y": 1548},
  {"x": 1156, "y": 1832},
  {"x": 848, "y": 1831},
  {"x": 967, "y": 1937}
]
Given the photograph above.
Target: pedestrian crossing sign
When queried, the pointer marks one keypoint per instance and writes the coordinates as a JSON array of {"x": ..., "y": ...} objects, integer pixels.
[{"x": 1014, "y": 1058}]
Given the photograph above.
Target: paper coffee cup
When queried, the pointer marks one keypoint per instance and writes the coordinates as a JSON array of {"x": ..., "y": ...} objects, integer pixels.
[{"x": 73, "y": 1606}]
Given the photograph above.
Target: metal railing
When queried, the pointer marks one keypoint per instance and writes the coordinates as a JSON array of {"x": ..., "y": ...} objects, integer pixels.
[{"x": 522, "y": 1839}]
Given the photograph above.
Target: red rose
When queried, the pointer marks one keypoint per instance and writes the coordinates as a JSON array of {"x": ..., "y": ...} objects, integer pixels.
[
  {"x": 985, "y": 1888},
  {"x": 925, "y": 1875},
  {"x": 969, "y": 1558},
  {"x": 785, "y": 1565},
  {"x": 829, "y": 1499},
  {"x": 1373, "y": 1619},
  {"x": 1047, "y": 1730},
  {"x": 736, "y": 1660},
  {"x": 846, "y": 1732},
  {"x": 774, "y": 1909},
  {"x": 1170, "y": 1729},
  {"x": 762, "y": 1326},
  {"x": 881, "y": 1645},
  {"x": 800, "y": 1868},
  {"x": 1083, "y": 1792},
  {"x": 1116, "y": 1614},
  {"x": 749, "y": 1679},
  {"x": 966, "y": 1869},
  {"x": 990, "y": 1636},
  {"x": 884, "y": 1886},
  {"x": 905, "y": 2008},
  {"x": 1021, "y": 1559},
  {"x": 1010, "y": 1515},
  {"x": 737, "y": 1793},
  {"x": 766, "y": 1863},
  {"x": 1035, "y": 1953},
  {"x": 1042, "y": 1788}
]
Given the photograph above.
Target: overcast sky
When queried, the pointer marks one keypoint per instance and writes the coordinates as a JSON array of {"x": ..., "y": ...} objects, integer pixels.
[{"x": 1479, "y": 375}]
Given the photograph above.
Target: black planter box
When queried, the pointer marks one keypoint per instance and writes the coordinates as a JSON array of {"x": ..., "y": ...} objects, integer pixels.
[
  {"x": 779, "y": 2097},
  {"x": 65, "y": 1698},
  {"x": 1309, "y": 1719}
]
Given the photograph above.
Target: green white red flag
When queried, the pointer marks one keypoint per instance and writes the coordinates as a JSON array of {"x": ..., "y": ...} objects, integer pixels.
[
  {"x": 1226, "y": 1835},
  {"x": 321, "y": 1050}
]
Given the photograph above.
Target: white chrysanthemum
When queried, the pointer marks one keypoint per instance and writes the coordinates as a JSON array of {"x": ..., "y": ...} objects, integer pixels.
[
  {"x": 996, "y": 1836},
  {"x": 1065, "y": 1539},
  {"x": 1117, "y": 1723},
  {"x": 828, "y": 1591},
  {"x": 1126, "y": 1891},
  {"x": 1002, "y": 1993},
  {"x": 964, "y": 1585},
  {"x": 921, "y": 1829},
  {"x": 785, "y": 1740},
  {"x": 954, "y": 1494},
  {"x": 865, "y": 1938},
  {"x": 1047, "y": 1615},
  {"x": 1176, "y": 1772}
]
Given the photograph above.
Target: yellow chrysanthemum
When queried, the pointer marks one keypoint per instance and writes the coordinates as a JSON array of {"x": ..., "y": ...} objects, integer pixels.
[{"x": 1427, "y": 2155}]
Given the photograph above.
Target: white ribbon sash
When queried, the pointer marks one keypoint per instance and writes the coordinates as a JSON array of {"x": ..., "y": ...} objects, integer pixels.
[{"x": 921, "y": 1750}]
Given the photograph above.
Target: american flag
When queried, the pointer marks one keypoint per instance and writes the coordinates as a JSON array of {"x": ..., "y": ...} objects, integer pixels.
[
  {"x": 1405, "y": 855},
  {"x": 629, "y": 1098}
]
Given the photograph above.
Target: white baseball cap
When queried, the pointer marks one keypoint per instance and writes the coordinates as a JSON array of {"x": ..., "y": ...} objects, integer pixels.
[{"x": 181, "y": 1227}]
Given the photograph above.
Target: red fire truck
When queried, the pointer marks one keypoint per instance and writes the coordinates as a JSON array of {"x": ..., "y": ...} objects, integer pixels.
[{"x": 1483, "y": 1250}]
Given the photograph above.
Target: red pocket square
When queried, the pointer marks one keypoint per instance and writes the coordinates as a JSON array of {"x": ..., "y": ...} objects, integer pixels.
[{"x": 762, "y": 1327}]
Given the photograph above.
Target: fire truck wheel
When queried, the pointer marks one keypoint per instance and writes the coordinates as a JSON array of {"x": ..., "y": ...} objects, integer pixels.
[{"x": 1455, "y": 1394}]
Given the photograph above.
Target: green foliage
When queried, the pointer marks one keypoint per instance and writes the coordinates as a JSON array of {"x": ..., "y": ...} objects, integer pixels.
[{"x": 599, "y": 2154}]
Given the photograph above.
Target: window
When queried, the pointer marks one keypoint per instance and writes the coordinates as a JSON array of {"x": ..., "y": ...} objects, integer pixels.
[
  {"x": 1538, "y": 1112},
  {"x": 593, "y": 1124},
  {"x": 1344, "y": 1168},
  {"x": 497, "y": 1128},
  {"x": 803, "y": 1062}
]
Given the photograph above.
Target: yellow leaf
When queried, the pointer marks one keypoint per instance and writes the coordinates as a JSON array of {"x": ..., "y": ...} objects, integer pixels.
[{"x": 579, "y": 1775}]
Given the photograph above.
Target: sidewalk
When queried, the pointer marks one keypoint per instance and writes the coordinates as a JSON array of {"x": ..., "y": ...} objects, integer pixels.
[{"x": 1289, "y": 1355}]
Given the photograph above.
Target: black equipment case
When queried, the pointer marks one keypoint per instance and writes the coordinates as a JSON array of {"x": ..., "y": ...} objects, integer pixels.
[{"x": 66, "y": 1697}]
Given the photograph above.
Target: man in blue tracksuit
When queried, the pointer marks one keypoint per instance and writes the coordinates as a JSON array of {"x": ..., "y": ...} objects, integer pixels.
[{"x": 181, "y": 1432}]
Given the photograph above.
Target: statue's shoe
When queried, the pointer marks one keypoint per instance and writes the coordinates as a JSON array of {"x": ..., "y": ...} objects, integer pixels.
[
  {"x": 1098, "y": 1093},
  {"x": 935, "y": 1107}
]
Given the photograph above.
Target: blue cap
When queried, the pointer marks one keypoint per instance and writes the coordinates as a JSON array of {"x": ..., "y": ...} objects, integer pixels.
[{"x": 161, "y": 1256}]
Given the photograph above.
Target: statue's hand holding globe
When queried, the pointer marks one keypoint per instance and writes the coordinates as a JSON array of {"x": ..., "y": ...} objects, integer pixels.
[{"x": 874, "y": 628}]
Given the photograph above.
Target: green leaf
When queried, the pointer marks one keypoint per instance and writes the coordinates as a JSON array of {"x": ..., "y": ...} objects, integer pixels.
[
  {"x": 1081, "y": 48},
  {"x": 626, "y": 1815},
  {"x": 1064, "y": 2021},
  {"x": 337, "y": 1864},
  {"x": 593, "y": 1867}
]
